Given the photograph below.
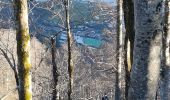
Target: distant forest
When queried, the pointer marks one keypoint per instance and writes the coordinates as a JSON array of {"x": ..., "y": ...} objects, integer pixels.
[{"x": 84, "y": 50}]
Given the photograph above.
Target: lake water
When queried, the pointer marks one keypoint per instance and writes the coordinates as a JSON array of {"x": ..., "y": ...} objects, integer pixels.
[
  {"x": 84, "y": 40},
  {"x": 92, "y": 42}
]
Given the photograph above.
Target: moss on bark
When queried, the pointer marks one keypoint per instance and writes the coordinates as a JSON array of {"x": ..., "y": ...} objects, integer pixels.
[{"x": 23, "y": 50}]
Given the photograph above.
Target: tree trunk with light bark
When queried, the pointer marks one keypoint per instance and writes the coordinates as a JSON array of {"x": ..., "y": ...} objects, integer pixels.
[
  {"x": 147, "y": 50},
  {"x": 23, "y": 50},
  {"x": 69, "y": 41},
  {"x": 120, "y": 77}
]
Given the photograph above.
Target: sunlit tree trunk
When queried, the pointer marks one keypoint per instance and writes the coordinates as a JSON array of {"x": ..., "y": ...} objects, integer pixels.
[
  {"x": 23, "y": 50},
  {"x": 147, "y": 50},
  {"x": 128, "y": 8},
  {"x": 165, "y": 81},
  {"x": 69, "y": 41},
  {"x": 120, "y": 91}
]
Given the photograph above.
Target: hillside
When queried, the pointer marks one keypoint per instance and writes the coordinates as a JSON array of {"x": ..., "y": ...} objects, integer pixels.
[
  {"x": 94, "y": 70},
  {"x": 90, "y": 20},
  {"x": 94, "y": 50}
]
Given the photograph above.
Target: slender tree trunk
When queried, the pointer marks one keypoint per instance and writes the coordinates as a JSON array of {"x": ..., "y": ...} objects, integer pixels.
[
  {"x": 55, "y": 71},
  {"x": 165, "y": 79},
  {"x": 147, "y": 50},
  {"x": 128, "y": 8},
  {"x": 120, "y": 95},
  {"x": 23, "y": 50},
  {"x": 69, "y": 41}
]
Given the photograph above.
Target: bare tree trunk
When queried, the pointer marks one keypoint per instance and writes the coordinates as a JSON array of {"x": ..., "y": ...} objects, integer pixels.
[
  {"x": 55, "y": 71},
  {"x": 165, "y": 79},
  {"x": 69, "y": 41},
  {"x": 128, "y": 8},
  {"x": 120, "y": 46},
  {"x": 147, "y": 50},
  {"x": 23, "y": 50}
]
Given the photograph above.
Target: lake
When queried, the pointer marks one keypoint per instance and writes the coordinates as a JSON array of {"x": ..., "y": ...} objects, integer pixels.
[{"x": 92, "y": 37}]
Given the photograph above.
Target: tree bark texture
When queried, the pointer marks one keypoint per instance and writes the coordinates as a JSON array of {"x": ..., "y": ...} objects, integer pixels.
[
  {"x": 55, "y": 70},
  {"x": 23, "y": 50},
  {"x": 147, "y": 50},
  {"x": 128, "y": 8},
  {"x": 69, "y": 41},
  {"x": 165, "y": 79},
  {"x": 120, "y": 88}
]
